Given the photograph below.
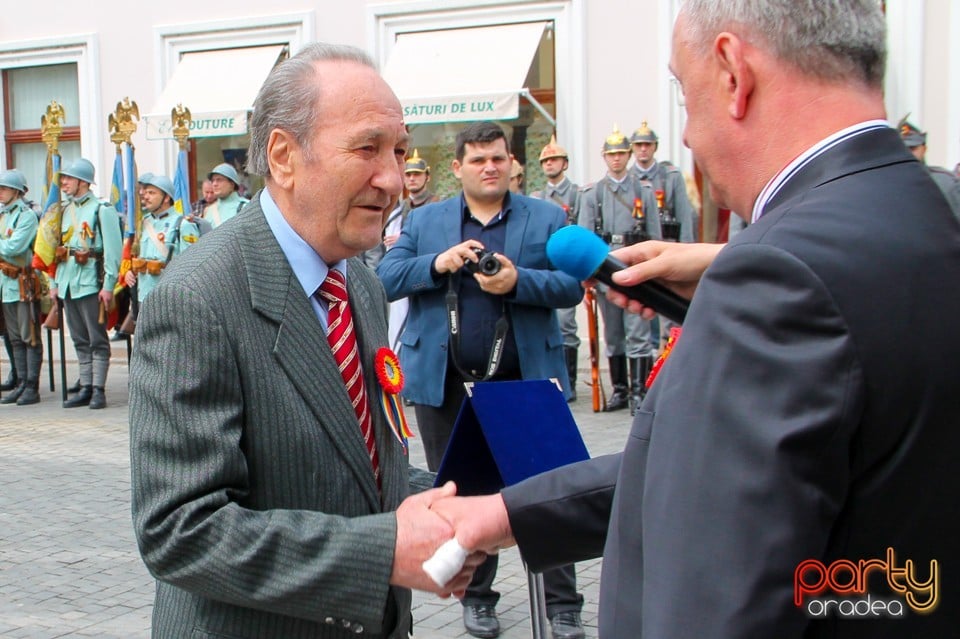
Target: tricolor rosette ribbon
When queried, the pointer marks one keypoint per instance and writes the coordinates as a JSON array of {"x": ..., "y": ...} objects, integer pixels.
[{"x": 390, "y": 377}]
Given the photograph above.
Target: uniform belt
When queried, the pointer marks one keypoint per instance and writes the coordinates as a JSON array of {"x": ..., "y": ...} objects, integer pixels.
[
  {"x": 89, "y": 252},
  {"x": 620, "y": 239},
  {"x": 153, "y": 267}
]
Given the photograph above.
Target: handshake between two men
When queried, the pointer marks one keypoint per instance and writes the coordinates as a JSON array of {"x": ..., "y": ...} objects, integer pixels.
[{"x": 429, "y": 521}]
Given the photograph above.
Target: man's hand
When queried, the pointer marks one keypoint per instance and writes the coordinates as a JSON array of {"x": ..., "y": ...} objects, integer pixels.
[
  {"x": 503, "y": 281},
  {"x": 678, "y": 266},
  {"x": 390, "y": 240},
  {"x": 130, "y": 278},
  {"x": 419, "y": 533},
  {"x": 481, "y": 523},
  {"x": 53, "y": 292},
  {"x": 105, "y": 298},
  {"x": 453, "y": 259}
]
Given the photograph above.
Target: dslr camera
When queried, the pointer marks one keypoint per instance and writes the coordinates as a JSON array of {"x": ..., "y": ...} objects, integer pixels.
[{"x": 486, "y": 264}]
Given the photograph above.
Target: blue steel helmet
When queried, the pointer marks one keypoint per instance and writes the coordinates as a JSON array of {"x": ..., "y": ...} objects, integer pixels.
[
  {"x": 161, "y": 182},
  {"x": 82, "y": 169},
  {"x": 144, "y": 178},
  {"x": 13, "y": 179},
  {"x": 226, "y": 171}
]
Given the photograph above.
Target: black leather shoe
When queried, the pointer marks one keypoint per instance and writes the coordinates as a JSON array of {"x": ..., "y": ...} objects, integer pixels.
[
  {"x": 481, "y": 621},
  {"x": 30, "y": 396},
  {"x": 567, "y": 625},
  {"x": 97, "y": 398},
  {"x": 13, "y": 396},
  {"x": 118, "y": 336},
  {"x": 82, "y": 398},
  {"x": 75, "y": 388}
]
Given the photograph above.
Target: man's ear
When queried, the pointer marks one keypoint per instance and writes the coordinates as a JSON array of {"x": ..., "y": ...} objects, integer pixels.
[
  {"x": 455, "y": 167},
  {"x": 283, "y": 153},
  {"x": 737, "y": 76}
]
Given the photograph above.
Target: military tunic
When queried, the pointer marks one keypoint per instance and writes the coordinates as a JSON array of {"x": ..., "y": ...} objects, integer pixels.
[
  {"x": 949, "y": 185},
  {"x": 566, "y": 195},
  {"x": 668, "y": 178},
  {"x": 89, "y": 224},
  {"x": 18, "y": 229},
  {"x": 224, "y": 209},
  {"x": 162, "y": 237},
  {"x": 623, "y": 333}
]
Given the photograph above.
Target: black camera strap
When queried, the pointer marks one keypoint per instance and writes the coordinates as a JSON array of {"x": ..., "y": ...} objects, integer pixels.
[{"x": 453, "y": 325}]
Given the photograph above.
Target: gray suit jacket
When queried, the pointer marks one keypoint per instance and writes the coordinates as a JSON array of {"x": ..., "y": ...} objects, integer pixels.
[
  {"x": 793, "y": 421},
  {"x": 254, "y": 503}
]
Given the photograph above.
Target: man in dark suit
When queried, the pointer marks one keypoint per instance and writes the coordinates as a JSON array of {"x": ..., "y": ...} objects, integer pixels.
[
  {"x": 795, "y": 455},
  {"x": 263, "y": 493},
  {"x": 519, "y": 295}
]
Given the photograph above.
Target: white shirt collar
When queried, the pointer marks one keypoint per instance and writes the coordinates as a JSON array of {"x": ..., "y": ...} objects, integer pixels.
[{"x": 774, "y": 185}]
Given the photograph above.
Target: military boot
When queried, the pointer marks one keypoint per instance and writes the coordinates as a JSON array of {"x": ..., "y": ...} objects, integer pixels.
[
  {"x": 618, "y": 377},
  {"x": 12, "y": 380},
  {"x": 570, "y": 355},
  {"x": 98, "y": 399},
  {"x": 82, "y": 398},
  {"x": 639, "y": 370},
  {"x": 14, "y": 395},
  {"x": 31, "y": 394}
]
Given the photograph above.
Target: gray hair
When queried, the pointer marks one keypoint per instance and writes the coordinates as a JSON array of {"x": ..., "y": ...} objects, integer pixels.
[
  {"x": 834, "y": 40},
  {"x": 289, "y": 100}
]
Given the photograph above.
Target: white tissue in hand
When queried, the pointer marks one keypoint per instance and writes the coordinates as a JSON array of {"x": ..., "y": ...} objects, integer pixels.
[{"x": 445, "y": 563}]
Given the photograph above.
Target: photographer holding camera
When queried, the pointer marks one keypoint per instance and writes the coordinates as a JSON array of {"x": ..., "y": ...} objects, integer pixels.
[{"x": 477, "y": 263}]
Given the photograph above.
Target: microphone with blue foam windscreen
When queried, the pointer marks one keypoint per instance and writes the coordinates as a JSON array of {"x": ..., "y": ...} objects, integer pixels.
[{"x": 580, "y": 253}]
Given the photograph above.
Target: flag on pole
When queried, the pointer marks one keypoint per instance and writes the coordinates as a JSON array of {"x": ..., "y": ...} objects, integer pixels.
[
  {"x": 48, "y": 235},
  {"x": 181, "y": 184},
  {"x": 116, "y": 186}
]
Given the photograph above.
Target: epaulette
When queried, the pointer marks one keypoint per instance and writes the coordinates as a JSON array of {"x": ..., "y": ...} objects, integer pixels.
[
  {"x": 587, "y": 187},
  {"x": 669, "y": 166}
]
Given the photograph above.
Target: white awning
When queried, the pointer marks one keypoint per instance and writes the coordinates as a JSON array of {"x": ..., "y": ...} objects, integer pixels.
[
  {"x": 218, "y": 87},
  {"x": 458, "y": 75}
]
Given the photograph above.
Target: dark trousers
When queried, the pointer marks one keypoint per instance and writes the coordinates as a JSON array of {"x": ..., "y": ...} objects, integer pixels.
[
  {"x": 89, "y": 339},
  {"x": 435, "y": 424}
]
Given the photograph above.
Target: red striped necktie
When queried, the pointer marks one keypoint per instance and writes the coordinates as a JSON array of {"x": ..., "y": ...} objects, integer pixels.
[{"x": 343, "y": 343}]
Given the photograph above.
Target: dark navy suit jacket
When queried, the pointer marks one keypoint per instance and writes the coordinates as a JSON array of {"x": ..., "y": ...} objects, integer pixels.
[{"x": 810, "y": 410}]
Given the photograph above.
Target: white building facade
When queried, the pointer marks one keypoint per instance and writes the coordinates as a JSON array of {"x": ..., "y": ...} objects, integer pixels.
[{"x": 576, "y": 67}]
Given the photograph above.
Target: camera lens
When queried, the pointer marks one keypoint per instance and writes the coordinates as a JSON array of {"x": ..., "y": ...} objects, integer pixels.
[{"x": 488, "y": 264}]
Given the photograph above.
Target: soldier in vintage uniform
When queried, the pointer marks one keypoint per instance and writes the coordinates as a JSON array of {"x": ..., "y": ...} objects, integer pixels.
[
  {"x": 666, "y": 178},
  {"x": 225, "y": 184},
  {"x": 20, "y": 288},
  {"x": 416, "y": 177},
  {"x": 554, "y": 162},
  {"x": 679, "y": 221},
  {"x": 416, "y": 180},
  {"x": 163, "y": 234},
  {"x": 623, "y": 211},
  {"x": 916, "y": 141},
  {"x": 88, "y": 263}
]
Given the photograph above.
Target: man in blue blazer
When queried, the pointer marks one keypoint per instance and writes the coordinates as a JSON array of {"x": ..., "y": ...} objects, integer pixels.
[{"x": 505, "y": 307}]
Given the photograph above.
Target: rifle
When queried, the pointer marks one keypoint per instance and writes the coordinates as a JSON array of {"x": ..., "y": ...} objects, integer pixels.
[{"x": 599, "y": 395}]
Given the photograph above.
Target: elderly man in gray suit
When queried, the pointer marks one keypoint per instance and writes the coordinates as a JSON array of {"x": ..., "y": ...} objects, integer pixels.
[{"x": 265, "y": 472}]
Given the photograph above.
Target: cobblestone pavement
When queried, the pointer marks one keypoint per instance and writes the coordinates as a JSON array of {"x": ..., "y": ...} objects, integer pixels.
[{"x": 68, "y": 561}]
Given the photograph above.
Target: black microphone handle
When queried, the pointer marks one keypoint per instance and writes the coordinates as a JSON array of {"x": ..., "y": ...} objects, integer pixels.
[{"x": 652, "y": 294}]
